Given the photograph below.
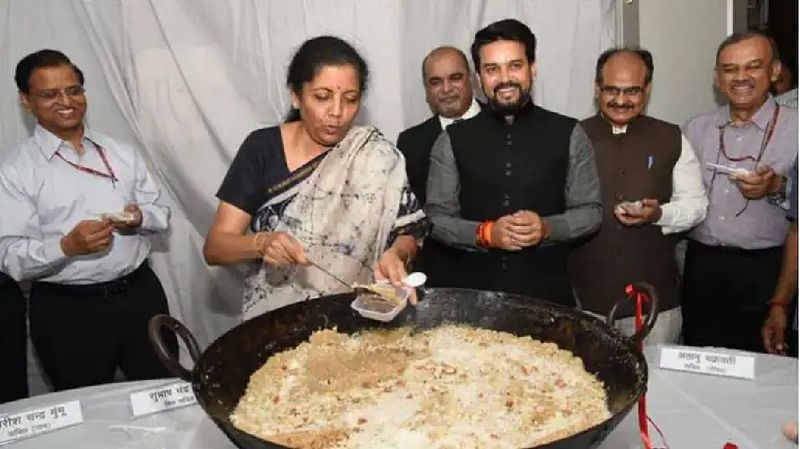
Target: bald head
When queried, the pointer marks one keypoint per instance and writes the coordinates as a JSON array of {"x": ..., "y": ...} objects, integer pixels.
[
  {"x": 642, "y": 56},
  {"x": 626, "y": 63},
  {"x": 446, "y": 76}
]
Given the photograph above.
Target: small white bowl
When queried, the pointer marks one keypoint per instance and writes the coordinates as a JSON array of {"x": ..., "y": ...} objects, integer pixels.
[{"x": 380, "y": 310}]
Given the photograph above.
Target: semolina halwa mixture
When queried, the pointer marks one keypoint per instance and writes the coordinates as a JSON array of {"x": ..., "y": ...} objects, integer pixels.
[{"x": 450, "y": 387}]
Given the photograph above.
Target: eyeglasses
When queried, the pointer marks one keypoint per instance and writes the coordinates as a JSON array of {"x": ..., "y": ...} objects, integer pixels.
[
  {"x": 725, "y": 154},
  {"x": 764, "y": 141},
  {"x": 52, "y": 94},
  {"x": 633, "y": 91}
]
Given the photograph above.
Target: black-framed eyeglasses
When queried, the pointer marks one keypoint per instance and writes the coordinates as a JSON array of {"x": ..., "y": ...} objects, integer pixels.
[
  {"x": 721, "y": 150},
  {"x": 51, "y": 94},
  {"x": 632, "y": 91}
]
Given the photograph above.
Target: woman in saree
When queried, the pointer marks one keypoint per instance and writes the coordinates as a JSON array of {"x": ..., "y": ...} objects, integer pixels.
[{"x": 316, "y": 188}]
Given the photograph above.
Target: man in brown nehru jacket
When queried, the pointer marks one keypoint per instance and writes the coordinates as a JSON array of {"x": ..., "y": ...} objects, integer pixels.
[{"x": 652, "y": 190}]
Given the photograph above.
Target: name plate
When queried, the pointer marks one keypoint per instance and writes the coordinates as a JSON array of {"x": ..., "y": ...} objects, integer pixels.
[
  {"x": 694, "y": 360},
  {"x": 16, "y": 426},
  {"x": 165, "y": 397}
]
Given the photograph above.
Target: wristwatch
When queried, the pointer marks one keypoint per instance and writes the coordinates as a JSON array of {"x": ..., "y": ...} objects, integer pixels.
[{"x": 778, "y": 197}]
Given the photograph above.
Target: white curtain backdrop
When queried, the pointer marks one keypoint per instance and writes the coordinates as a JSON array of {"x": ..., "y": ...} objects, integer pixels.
[{"x": 187, "y": 80}]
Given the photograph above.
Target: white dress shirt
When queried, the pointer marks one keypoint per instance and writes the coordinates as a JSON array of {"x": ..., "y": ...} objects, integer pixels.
[
  {"x": 473, "y": 110},
  {"x": 688, "y": 203},
  {"x": 43, "y": 198}
]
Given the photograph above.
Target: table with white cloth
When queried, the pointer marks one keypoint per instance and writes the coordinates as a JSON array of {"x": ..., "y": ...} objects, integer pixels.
[{"x": 694, "y": 411}]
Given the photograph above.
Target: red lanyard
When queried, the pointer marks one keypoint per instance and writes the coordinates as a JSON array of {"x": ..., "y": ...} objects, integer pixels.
[
  {"x": 110, "y": 172},
  {"x": 764, "y": 141}
]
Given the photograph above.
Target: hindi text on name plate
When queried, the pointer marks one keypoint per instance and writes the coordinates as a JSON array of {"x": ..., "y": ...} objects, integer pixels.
[
  {"x": 164, "y": 397},
  {"x": 702, "y": 361},
  {"x": 29, "y": 423}
]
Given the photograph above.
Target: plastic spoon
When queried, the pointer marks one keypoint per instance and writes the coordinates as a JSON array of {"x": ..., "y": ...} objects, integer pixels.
[{"x": 415, "y": 279}]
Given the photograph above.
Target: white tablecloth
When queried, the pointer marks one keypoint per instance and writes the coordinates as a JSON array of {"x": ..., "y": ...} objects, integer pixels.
[{"x": 694, "y": 412}]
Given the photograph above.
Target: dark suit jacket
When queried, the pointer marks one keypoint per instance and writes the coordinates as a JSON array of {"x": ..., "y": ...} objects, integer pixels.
[{"x": 415, "y": 143}]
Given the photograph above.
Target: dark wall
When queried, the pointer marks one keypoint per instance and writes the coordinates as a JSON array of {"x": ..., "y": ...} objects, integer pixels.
[{"x": 782, "y": 25}]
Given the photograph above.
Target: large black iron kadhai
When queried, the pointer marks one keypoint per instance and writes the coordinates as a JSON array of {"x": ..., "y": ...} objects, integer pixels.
[{"x": 222, "y": 372}]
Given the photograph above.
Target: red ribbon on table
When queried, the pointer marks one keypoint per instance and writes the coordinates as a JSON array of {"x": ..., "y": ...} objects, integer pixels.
[{"x": 644, "y": 419}]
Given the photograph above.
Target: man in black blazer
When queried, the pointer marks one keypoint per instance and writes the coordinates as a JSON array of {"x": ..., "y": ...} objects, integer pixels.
[
  {"x": 14, "y": 335},
  {"x": 448, "y": 91}
]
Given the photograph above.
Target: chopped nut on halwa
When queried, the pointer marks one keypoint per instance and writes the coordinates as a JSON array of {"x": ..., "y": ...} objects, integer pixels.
[{"x": 452, "y": 386}]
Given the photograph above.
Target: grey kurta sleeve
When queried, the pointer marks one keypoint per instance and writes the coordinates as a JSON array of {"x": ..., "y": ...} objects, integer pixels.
[
  {"x": 442, "y": 206},
  {"x": 584, "y": 208}
]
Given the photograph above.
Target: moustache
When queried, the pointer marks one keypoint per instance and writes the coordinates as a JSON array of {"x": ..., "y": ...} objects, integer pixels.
[
  {"x": 506, "y": 85},
  {"x": 745, "y": 83},
  {"x": 625, "y": 106}
]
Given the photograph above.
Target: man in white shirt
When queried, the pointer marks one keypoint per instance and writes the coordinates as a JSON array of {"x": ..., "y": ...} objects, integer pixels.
[
  {"x": 652, "y": 189},
  {"x": 92, "y": 293},
  {"x": 448, "y": 92}
]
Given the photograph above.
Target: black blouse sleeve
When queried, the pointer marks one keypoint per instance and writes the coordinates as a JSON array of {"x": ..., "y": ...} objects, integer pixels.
[{"x": 256, "y": 162}]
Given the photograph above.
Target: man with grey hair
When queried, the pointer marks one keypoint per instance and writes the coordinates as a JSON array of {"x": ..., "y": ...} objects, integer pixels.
[
  {"x": 448, "y": 92},
  {"x": 746, "y": 149}
]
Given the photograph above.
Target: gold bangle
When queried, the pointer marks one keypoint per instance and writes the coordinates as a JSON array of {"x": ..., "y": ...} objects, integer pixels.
[{"x": 258, "y": 242}]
